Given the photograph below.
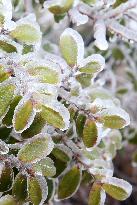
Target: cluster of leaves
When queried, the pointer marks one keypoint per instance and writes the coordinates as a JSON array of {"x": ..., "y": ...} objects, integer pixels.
[{"x": 59, "y": 127}]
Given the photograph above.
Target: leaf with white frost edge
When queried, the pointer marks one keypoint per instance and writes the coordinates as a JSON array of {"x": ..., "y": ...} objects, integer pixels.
[
  {"x": 56, "y": 114},
  {"x": 45, "y": 167},
  {"x": 62, "y": 152},
  {"x": 90, "y": 134},
  {"x": 114, "y": 118},
  {"x": 69, "y": 184},
  {"x": 44, "y": 71},
  {"x": 92, "y": 64},
  {"x": 6, "y": 97},
  {"x": 36, "y": 149},
  {"x": 97, "y": 195},
  {"x": 58, "y": 7},
  {"x": 37, "y": 189},
  {"x": 71, "y": 40},
  {"x": 24, "y": 115},
  {"x": 117, "y": 188},
  {"x": 27, "y": 30},
  {"x": 9, "y": 46}
]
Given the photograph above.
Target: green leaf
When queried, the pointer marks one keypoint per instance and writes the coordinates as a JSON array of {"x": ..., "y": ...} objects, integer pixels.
[
  {"x": 35, "y": 127},
  {"x": 7, "y": 200},
  {"x": 6, "y": 96},
  {"x": 36, "y": 148},
  {"x": 113, "y": 122},
  {"x": 84, "y": 79},
  {"x": 71, "y": 40},
  {"x": 92, "y": 64},
  {"x": 90, "y": 2},
  {"x": 118, "y": 2},
  {"x": 97, "y": 195},
  {"x": 62, "y": 153},
  {"x": 4, "y": 75},
  {"x": 45, "y": 167},
  {"x": 7, "y": 47},
  {"x": 90, "y": 134},
  {"x": 37, "y": 189},
  {"x": 7, "y": 120},
  {"x": 117, "y": 188},
  {"x": 19, "y": 189},
  {"x": 51, "y": 189},
  {"x": 26, "y": 33},
  {"x": 80, "y": 122},
  {"x": 52, "y": 117},
  {"x": 23, "y": 116},
  {"x": 90, "y": 68},
  {"x": 69, "y": 183},
  {"x": 87, "y": 178},
  {"x": 60, "y": 7},
  {"x": 44, "y": 73},
  {"x": 6, "y": 178},
  {"x": 60, "y": 166}
]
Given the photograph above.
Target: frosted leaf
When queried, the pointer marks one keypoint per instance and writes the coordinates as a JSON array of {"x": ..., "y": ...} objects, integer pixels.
[
  {"x": 27, "y": 30},
  {"x": 71, "y": 40},
  {"x": 3, "y": 147},
  {"x": 37, "y": 185},
  {"x": 24, "y": 114},
  {"x": 65, "y": 189},
  {"x": 60, "y": 111},
  {"x": 45, "y": 167},
  {"x": 92, "y": 64},
  {"x": 76, "y": 17},
  {"x": 6, "y": 97},
  {"x": 43, "y": 147},
  {"x": 62, "y": 152},
  {"x": 9, "y": 46},
  {"x": 97, "y": 195},
  {"x": 115, "y": 117},
  {"x": 117, "y": 188},
  {"x": 58, "y": 6},
  {"x": 100, "y": 35},
  {"x": 46, "y": 72}
]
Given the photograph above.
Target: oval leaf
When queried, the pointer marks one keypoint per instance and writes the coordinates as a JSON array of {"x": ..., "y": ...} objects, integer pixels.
[
  {"x": 45, "y": 167},
  {"x": 71, "y": 40},
  {"x": 117, "y": 188},
  {"x": 23, "y": 115},
  {"x": 37, "y": 189},
  {"x": 62, "y": 153},
  {"x": 26, "y": 33},
  {"x": 69, "y": 183},
  {"x": 90, "y": 134},
  {"x": 36, "y": 148},
  {"x": 6, "y": 96},
  {"x": 6, "y": 178},
  {"x": 97, "y": 195},
  {"x": 19, "y": 189}
]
